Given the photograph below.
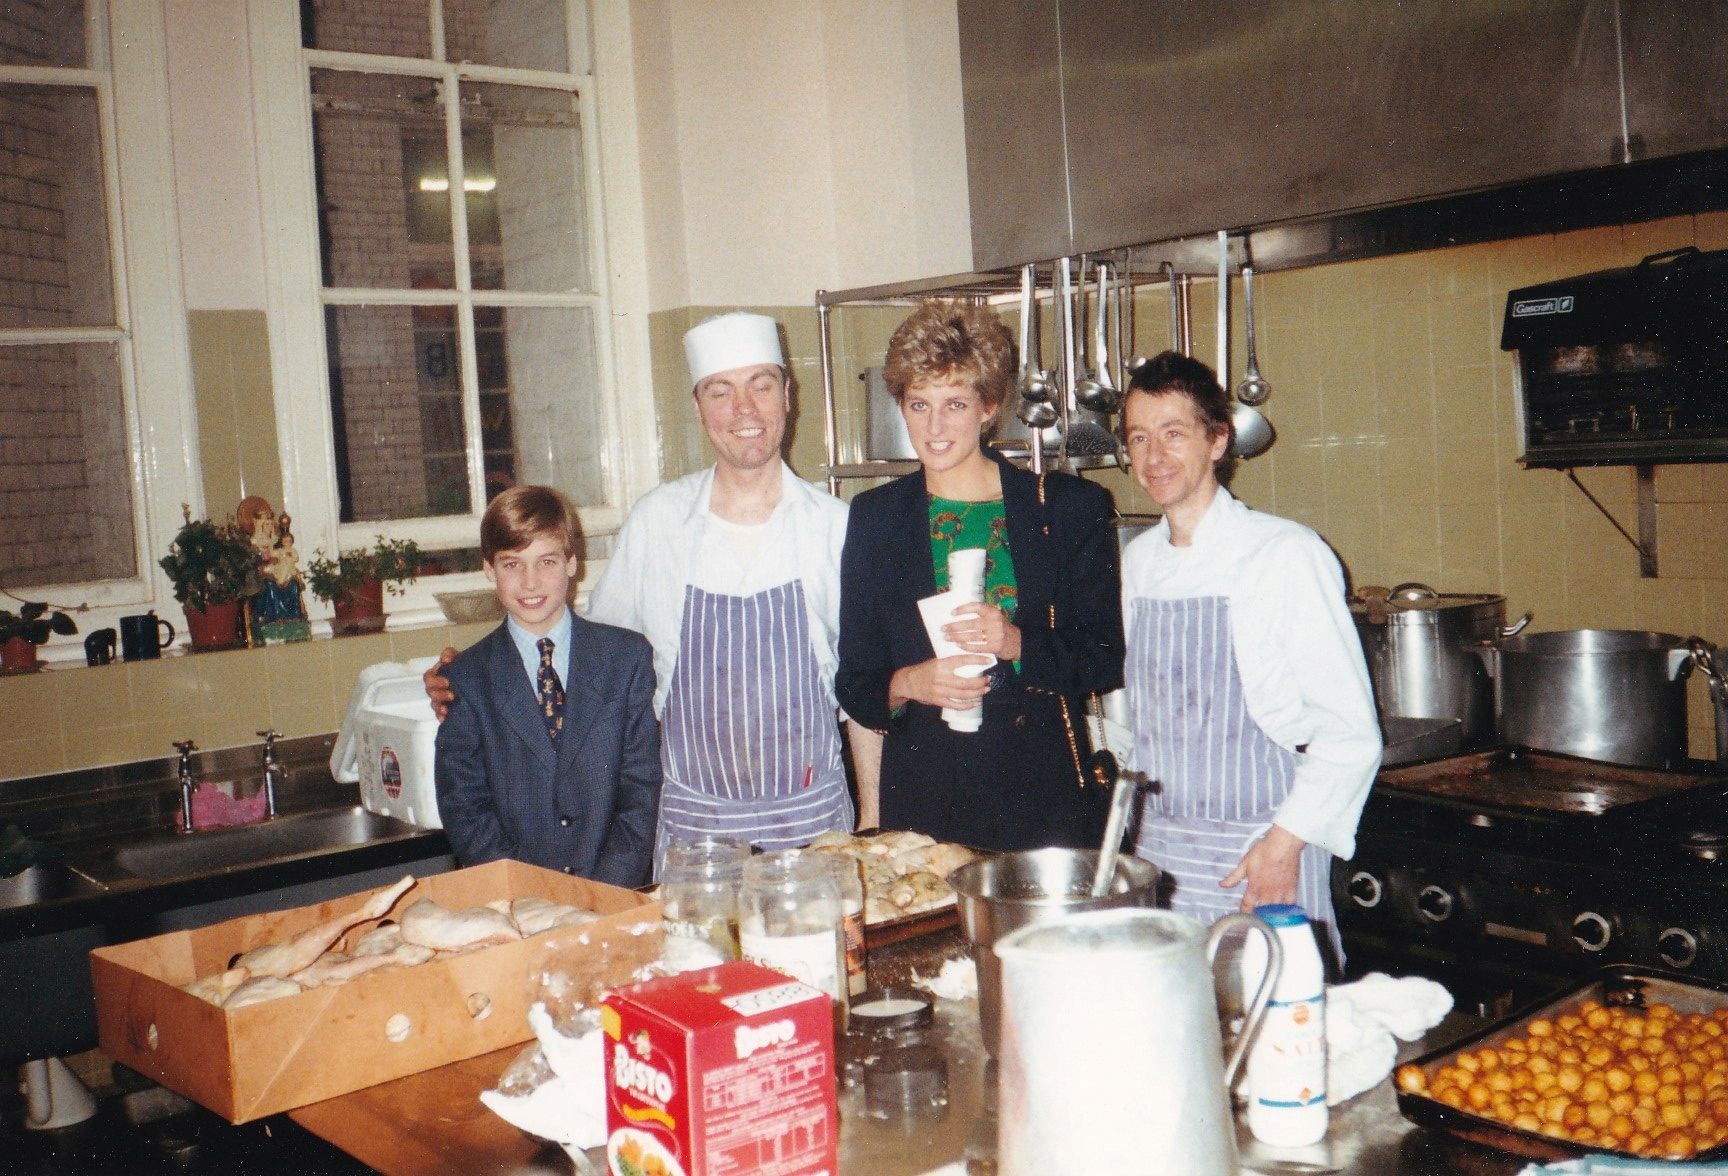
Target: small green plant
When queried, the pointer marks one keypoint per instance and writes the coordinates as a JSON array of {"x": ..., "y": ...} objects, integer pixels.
[
  {"x": 394, "y": 563},
  {"x": 210, "y": 563},
  {"x": 34, "y": 622}
]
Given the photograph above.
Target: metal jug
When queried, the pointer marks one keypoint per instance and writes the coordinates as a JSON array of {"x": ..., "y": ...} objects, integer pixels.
[{"x": 1111, "y": 1046}]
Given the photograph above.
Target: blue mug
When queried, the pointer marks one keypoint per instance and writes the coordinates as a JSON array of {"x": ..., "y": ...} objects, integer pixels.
[{"x": 140, "y": 636}]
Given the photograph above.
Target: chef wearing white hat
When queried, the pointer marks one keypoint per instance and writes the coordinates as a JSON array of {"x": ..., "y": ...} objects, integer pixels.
[{"x": 733, "y": 576}]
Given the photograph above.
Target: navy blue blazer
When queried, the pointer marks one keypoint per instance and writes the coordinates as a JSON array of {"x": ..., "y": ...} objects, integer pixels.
[
  {"x": 1064, "y": 556},
  {"x": 585, "y": 803}
]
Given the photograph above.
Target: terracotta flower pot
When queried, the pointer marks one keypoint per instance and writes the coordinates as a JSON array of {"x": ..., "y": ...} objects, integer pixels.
[
  {"x": 17, "y": 654},
  {"x": 214, "y": 627},
  {"x": 361, "y": 611}
]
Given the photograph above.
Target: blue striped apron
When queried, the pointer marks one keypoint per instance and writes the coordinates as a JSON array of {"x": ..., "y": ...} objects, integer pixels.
[
  {"x": 1221, "y": 778},
  {"x": 749, "y": 743}
]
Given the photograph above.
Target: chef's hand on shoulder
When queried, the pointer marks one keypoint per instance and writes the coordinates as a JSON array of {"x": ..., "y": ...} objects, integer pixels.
[
  {"x": 935, "y": 683},
  {"x": 1271, "y": 867},
  {"x": 438, "y": 686},
  {"x": 984, "y": 628}
]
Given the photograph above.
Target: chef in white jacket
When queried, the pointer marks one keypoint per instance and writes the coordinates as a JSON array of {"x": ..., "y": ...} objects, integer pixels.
[
  {"x": 1248, "y": 694},
  {"x": 733, "y": 575}
]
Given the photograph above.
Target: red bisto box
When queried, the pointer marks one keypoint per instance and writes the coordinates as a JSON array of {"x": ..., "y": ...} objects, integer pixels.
[{"x": 726, "y": 1071}]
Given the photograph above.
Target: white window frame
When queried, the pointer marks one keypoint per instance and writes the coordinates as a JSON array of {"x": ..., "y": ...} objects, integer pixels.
[
  {"x": 296, "y": 297},
  {"x": 149, "y": 329}
]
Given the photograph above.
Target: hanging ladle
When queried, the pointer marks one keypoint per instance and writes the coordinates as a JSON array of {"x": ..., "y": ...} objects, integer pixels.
[
  {"x": 1095, "y": 391},
  {"x": 1253, "y": 390},
  {"x": 1035, "y": 383}
]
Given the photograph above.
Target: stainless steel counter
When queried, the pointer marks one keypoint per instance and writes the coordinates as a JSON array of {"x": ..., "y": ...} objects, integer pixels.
[{"x": 1368, "y": 1137}]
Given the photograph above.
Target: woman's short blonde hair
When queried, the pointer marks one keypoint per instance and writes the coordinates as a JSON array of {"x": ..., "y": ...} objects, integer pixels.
[{"x": 946, "y": 340}]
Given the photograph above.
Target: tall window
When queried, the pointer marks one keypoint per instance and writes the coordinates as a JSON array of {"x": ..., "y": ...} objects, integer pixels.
[
  {"x": 459, "y": 277},
  {"x": 91, "y": 330}
]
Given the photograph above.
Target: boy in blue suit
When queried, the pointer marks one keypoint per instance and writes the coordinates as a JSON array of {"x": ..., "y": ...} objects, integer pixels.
[{"x": 550, "y": 755}]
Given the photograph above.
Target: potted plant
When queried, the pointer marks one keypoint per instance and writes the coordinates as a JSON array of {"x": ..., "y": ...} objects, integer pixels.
[
  {"x": 214, "y": 570},
  {"x": 355, "y": 582},
  {"x": 22, "y": 631}
]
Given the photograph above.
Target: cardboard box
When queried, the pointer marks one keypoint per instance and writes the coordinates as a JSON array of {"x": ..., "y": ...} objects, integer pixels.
[
  {"x": 726, "y": 1071},
  {"x": 264, "y": 1058}
]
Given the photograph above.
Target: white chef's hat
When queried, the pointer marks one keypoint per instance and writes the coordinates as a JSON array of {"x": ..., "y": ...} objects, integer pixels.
[{"x": 729, "y": 341}]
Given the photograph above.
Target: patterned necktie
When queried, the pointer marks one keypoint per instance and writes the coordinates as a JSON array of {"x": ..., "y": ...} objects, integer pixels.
[{"x": 549, "y": 690}]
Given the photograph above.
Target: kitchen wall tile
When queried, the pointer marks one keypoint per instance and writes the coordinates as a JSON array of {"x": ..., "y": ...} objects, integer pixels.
[
  {"x": 314, "y": 717},
  {"x": 1409, "y": 471},
  {"x": 235, "y": 689},
  {"x": 103, "y": 745},
  {"x": 1465, "y": 399},
  {"x": 1410, "y": 545},
  {"x": 1524, "y": 262},
  {"x": 1469, "y": 548},
  {"x": 36, "y": 755},
  {"x": 1682, "y": 541},
  {"x": 1668, "y": 606},
  {"x": 412, "y": 643},
  {"x": 31, "y": 702},
  {"x": 1711, "y": 229},
  {"x": 297, "y": 673},
  {"x": 169, "y": 689},
  {"x": 1253, "y": 483},
  {"x": 1641, "y": 240},
  {"x": 350, "y": 655},
  {"x": 1680, "y": 483},
  {"x": 1713, "y": 482},
  {"x": 1468, "y": 471},
  {"x": 95, "y": 698}
]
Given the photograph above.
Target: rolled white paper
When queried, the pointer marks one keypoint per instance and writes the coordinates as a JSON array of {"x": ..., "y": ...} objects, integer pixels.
[{"x": 937, "y": 611}]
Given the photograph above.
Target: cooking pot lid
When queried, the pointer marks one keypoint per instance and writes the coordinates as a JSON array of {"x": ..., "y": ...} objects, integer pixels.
[{"x": 1425, "y": 610}]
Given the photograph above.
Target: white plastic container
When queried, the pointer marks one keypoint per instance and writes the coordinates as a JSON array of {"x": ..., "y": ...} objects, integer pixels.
[
  {"x": 1286, "y": 1071},
  {"x": 387, "y": 744}
]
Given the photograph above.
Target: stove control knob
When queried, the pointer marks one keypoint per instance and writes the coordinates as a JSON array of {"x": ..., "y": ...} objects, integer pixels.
[
  {"x": 1591, "y": 931},
  {"x": 1435, "y": 904},
  {"x": 1365, "y": 889},
  {"x": 1678, "y": 948}
]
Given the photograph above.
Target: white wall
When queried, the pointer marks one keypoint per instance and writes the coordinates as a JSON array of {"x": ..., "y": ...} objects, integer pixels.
[
  {"x": 215, "y": 156},
  {"x": 809, "y": 144}
]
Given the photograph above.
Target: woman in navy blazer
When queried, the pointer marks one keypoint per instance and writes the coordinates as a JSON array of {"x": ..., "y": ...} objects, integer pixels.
[{"x": 1018, "y": 782}]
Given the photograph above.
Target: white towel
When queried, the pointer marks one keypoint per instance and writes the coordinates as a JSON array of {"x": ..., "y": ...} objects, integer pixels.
[{"x": 1363, "y": 1018}]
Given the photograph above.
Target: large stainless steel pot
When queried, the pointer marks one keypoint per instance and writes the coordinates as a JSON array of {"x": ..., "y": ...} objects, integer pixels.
[
  {"x": 1617, "y": 695},
  {"x": 1420, "y": 645}
]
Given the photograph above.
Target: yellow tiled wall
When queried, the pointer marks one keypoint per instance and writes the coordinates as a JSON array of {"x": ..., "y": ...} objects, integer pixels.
[
  {"x": 1396, "y": 436},
  {"x": 81, "y": 717}
]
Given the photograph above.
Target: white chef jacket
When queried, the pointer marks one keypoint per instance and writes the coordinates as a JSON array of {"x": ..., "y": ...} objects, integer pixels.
[
  {"x": 1303, "y": 675},
  {"x": 644, "y": 583}
]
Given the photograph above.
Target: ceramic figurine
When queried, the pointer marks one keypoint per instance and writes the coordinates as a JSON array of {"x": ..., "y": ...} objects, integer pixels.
[{"x": 278, "y": 612}]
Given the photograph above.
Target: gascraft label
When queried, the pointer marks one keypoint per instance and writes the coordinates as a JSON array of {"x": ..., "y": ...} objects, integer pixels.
[{"x": 1531, "y": 307}]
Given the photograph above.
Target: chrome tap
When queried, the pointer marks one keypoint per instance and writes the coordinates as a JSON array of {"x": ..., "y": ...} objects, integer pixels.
[
  {"x": 185, "y": 747},
  {"x": 272, "y": 770}
]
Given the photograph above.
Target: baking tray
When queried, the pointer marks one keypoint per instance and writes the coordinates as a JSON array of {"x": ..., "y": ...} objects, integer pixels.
[
  {"x": 1686, "y": 994},
  {"x": 911, "y": 926}
]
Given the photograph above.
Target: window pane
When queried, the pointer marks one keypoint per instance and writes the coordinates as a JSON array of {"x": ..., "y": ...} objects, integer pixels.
[
  {"x": 395, "y": 398},
  {"x": 383, "y": 181},
  {"x": 53, "y": 220},
  {"x": 65, "y": 481},
  {"x": 400, "y": 28},
  {"x": 524, "y": 34},
  {"x": 554, "y": 411},
  {"x": 42, "y": 32},
  {"x": 527, "y": 215}
]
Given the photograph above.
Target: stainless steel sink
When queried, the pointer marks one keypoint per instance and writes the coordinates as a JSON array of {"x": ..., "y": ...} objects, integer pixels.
[
  {"x": 190, "y": 854},
  {"x": 45, "y": 883}
]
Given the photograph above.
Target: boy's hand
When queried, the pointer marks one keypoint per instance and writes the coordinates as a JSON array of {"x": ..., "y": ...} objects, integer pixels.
[{"x": 438, "y": 686}]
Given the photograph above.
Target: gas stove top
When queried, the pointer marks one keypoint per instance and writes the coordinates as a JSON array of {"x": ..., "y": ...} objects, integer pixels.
[{"x": 1505, "y": 873}]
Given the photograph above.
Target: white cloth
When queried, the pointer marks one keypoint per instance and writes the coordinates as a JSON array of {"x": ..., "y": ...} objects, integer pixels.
[
  {"x": 643, "y": 585},
  {"x": 1300, "y": 662},
  {"x": 1363, "y": 1018}
]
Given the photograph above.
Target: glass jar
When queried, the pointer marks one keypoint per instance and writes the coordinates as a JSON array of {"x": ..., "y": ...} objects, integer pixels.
[
  {"x": 698, "y": 902},
  {"x": 848, "y": 874},
  {"x": 790, "y": 919}
]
